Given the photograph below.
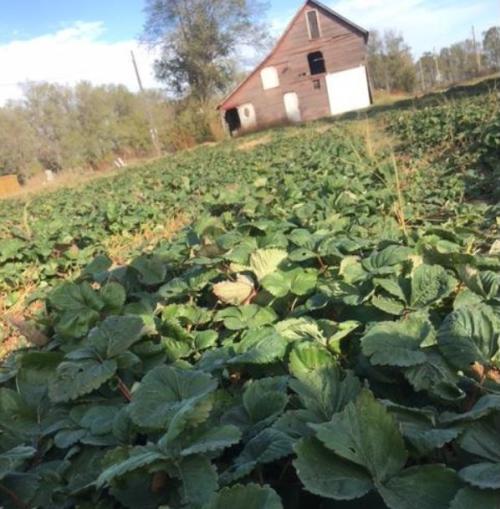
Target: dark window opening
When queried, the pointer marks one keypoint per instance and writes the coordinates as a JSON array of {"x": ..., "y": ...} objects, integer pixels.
[
  {"x": 233, "y": 120},
  {"x": 316, "y": 84},
  {"x": 316, "y": 62},
  {"x": 313, "y": 25}
]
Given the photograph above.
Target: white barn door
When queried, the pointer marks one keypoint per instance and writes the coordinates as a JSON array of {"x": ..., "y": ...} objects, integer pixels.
[
  {"x": 348, "y": 90},
  {"x": 248, "y": 118},
  {"x": 292, "y": 107}
]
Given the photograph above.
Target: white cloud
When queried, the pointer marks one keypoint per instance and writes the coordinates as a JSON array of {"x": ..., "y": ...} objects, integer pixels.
[
  {"x": 70, "y": 55},
  {"x": 425, "y": 24}
]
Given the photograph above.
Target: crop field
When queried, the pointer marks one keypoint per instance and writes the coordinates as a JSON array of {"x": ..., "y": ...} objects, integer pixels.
[{"x": 309, "y": 321}]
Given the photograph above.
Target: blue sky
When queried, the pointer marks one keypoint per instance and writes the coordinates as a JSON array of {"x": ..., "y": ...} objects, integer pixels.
[{"x": 69, "y": 40}]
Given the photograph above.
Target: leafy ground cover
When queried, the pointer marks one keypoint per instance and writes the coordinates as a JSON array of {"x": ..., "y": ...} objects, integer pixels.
[{"x": 324, "y": 333}]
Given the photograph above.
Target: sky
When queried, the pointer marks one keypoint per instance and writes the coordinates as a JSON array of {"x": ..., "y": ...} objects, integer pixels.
[{"x": 66, "y": 41}]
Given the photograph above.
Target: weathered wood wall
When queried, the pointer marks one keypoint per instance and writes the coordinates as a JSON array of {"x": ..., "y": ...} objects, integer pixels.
[
  {"x": 9, "y": 185},
  {"x": 342, "y": 46}
]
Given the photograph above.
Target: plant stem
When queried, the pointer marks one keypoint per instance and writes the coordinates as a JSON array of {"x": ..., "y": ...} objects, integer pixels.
[
  {"x": 124, "y": 389},
  {"x": 400, "y": 196},
  {"x": 15, "y": 499}
]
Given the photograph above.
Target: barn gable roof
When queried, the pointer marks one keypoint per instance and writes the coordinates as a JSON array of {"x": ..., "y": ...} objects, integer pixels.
[{"x": 311, "y": 3}]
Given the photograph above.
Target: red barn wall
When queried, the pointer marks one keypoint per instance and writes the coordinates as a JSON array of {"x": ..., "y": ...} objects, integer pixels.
[{"x": 342, "y": 46}]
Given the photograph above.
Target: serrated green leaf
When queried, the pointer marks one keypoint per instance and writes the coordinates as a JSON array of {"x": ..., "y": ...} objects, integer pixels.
[
  {"x": 323, "y": 387},
  {"x": 211, "y": 440},
  {"x": 429, "y": 284},
  {"x": 482, "y": 439},
  {"x": 138, "y": 457},
  {"x": 468, "y": 498},
  {"x": 325, "y": 474},
  {"x": 76, "y": 379},
  {"x": 117, "y": 334},
  {"x": 235, "y": 292},
  {"x": 470, "y": 335},
  {"x": 198, "y": 480},
  {"x": 250, "y": 496},
  {"x": 482, "y": 475},
  {"x": 425, "y": 487},
  {"x": 260, "y": 346},
  {"x": 388, "y": 305},
  {"x": 268, "y": 446},
  {"x": 14, "y": 458},
  {"x": 165, "y": 391},
  {"x": 397, "y": 343},
  {"x": 265, "y": 398},
  {"x": 366, "y": 434},
  {"x": 265, "y": 261}
]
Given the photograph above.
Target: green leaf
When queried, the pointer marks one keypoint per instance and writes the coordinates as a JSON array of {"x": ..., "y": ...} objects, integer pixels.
[
  {"x": 297, "y": 281},
  {"x": 366, "y": 434},
  {"x": 277, "y": 284},
  {"x": 482, "y": 439},
  {"x": 423, "y": 487},
  {"x": 246, "y": 317},
  {"x": 151, "y": 270},
  {"x": 470, "y": 335},
  {"x": 378, "y": 262},
  {"x": 322, "y": 386},
  {"x": 397, "y": 343},
  {"x": 303, "y": 328},
  {"x": 470, "y": 498},
  {"x": 388, "y": 305},
  {"x": 436, "y": 377},
  {"x": 235, "y": 292},
  {"x": 429, "y": 284},
  {"x": 34, "y": 374},
  {"x": 199, "y": 480},
  {"x": 250, "y": 496},
  {"x": 138, "y": 457},
  {"x": 482, "y": 475},
  {"x": 76, "y": 379},
  {"x": 393, "y": 287},
  {"x": 302, "y": 281},
  {"x": 14, "y": 458},
  {"x": 420, "y": 429},
  {"x": 484, "y": 406},
  {"x": 114, "y": 296},
  {"x": 325, "y": 474},
  {"x": 265, "y": 398},
  {"x": 165, "y": 392},
  {"x": 265, "y": 261},
  {"x": 213, "y": 439},
  {"x": 268, "y": 446},
  {"x": 117, "y": 334},
  {"x": 260, "y": 346}
]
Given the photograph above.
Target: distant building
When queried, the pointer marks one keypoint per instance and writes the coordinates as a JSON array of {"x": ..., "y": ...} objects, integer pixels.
[{"x": 316, "y": 69}]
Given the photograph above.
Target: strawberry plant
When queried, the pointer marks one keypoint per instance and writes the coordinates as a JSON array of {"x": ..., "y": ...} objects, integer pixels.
[{"x": 294, "y": 346}]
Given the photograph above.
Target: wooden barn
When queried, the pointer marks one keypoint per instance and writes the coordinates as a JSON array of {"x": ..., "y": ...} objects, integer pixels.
[{"x": 316, "y": 69}]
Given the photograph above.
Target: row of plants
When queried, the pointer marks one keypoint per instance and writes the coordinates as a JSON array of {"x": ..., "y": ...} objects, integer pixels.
[
  {"x": 325, "y": 335},
  {"x": 462, "y": 137},
  {"x": 265, "y": 362}
]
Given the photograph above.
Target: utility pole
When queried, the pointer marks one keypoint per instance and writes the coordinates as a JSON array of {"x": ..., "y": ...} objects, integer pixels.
[
  {"x": 436, "y": 62},
  {"x": 152, "y": 128},
  {"x": 421, "y": 69},
  {"x": 476, "y": 50}
]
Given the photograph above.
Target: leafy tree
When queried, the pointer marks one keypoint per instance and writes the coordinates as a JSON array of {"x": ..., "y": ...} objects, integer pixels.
[
  {"x": 491, "y": 45},
  {"x": 390, "y": 62},
  {"x": 18, "y": 143},
  {"x": 429, "y": 71},
  {"x": 199, "y": 40}
]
